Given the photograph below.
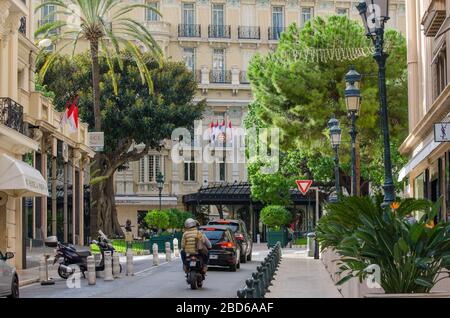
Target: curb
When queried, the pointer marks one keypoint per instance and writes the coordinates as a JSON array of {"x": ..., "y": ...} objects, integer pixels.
[{"x": 27, "y": 282}]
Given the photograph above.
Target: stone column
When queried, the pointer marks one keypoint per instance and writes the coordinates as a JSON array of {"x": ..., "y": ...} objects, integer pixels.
[
  {"x": 235, "y": 75},
  {"x": 54, "y": 194},
  {"x": 413, "y": 68},
  {"x": 204, "y": 74}
]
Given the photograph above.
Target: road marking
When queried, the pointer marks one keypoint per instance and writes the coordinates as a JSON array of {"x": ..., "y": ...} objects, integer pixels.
[{"x": 152, "y": 268}]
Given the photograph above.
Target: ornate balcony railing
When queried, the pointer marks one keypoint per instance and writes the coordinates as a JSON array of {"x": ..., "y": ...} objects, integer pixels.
[
  {"x": 243, "y": 78},
  {"x": 11, "y": 114},
  {"x": 189, "y": 30},
  {"x": 219, "y": 31},
  {"x": 249, "y": 32},
  {"x": 220, "y": 77},
  {"x": 23, "y": 26},
  {"x": 275, "y": 32}
]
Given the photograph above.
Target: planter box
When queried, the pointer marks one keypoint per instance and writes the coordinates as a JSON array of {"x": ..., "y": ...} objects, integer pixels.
[{"x": 278, "y": 236}]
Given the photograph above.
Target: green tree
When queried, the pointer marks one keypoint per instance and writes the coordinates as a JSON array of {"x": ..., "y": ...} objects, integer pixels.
[
  {"x": 275, "y": 216},
  {"x": 157, "y": 219},
  {"x": 131, "y": 118},
  {"x": 105, "y": 24},
  {"x": 300, "y": 86}
]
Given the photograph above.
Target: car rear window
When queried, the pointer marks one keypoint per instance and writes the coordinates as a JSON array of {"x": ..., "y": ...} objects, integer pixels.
[
  {"x": 215, "y": 235},
  {"x": 233, "y": 226}
]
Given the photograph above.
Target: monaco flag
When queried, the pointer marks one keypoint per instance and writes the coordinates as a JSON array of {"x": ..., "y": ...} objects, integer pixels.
[{"x": 70, "y": 116}]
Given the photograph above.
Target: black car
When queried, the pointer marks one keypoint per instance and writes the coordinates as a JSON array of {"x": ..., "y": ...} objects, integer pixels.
[
  {"x": 225, "y": 250},
  {"x": 243, "y": 238}
]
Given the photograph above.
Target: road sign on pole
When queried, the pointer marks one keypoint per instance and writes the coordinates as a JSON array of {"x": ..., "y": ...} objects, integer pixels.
[{"x": 304, "y": 185}]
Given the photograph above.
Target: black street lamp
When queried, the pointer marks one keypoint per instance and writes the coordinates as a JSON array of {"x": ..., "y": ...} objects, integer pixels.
[
  {"x": 353, "y": 102},
  {"x": 335, "y": 135},
  {"x": 374, "y": 14},
  {"x": 160, "y": 181}
]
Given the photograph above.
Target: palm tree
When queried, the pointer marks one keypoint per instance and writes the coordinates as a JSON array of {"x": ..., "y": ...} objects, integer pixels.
[{"x": 108, "y": 29}]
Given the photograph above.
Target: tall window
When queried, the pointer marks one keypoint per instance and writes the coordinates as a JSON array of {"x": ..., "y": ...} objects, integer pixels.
[
  {"x": 277, "y": 17},
  {"x": 218, "y": 15},
  {"x": 440, "y": 74},
  {"x": 306, "y": 15},
  {"x": 218, "y": 67},
  {"x": 248, "y": 15},
  {"x": 189, "y": 169},
  {"x": 189, "y": 58},
  {"x": 142, "y": 170},
  {"x": 155, "y": 166},
  {"x": 45, "y": 14},
  {"x": 151, "y": 15},
  {"x": 188, "y": 19}
]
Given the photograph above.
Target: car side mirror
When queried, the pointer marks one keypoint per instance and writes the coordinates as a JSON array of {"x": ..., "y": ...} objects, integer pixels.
[{"x": 9, "y": 255}]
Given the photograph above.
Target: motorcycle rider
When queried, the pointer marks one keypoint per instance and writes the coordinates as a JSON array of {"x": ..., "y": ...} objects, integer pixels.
[{"x": 189, "y": 243}]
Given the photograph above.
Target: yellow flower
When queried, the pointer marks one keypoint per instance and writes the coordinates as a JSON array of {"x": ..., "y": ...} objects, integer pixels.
[{"x": 430, "y": 224}]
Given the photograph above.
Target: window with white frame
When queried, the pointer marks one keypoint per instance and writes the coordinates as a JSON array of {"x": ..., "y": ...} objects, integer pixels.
[
  {"x": 190, "y": 169},
  {"x": 306, "y": 15},
  {"x": 155, "y": 166},
  {"x": 151, "y": 15},
  {"x": 142, "y": 170},
  {"x": 189, "y": 58}
]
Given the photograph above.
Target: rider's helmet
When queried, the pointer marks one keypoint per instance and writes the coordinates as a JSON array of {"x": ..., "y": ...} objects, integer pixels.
[{"x": 190, "y": 223}]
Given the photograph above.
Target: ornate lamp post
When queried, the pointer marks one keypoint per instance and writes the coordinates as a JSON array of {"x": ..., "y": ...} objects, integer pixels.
[
  {"x": 374, "y": 14},
  {"x": 335, "y": 135},
  {"x": 353, "y": 102},
  {"x": 160, "y": 181}
]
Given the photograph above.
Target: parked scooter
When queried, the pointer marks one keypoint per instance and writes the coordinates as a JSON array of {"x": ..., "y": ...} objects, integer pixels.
[
  {"x": 67, "y": 255},
  {"x": 195, "y": 275}
]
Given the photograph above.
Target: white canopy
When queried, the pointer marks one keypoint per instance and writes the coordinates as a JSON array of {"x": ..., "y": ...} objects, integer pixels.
[
  {"x": 417, "y": 159},
  {"x": 19, "y": 179}
]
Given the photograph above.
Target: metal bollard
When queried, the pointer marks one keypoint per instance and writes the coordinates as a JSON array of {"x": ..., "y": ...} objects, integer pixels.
[
  {"x": 116, "y": 266},
  {"x": 257, "y": 293},
  {"x": 241, "y": 293},
  {"x": 168, "y": 252},
  {"x": 176, "y": 251},
  {"x": 42, "y": 269},
  {"x": 262, "y": 278},
  {"x": 108, "y": 266},
  {"x": 92, "y": 278},
  {"x": 249, "y": 290},
  {"x": 155, "y": 255},
  {"x": 130, "y": 262}
]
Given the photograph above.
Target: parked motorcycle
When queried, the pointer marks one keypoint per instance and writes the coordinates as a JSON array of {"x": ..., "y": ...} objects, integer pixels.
[
  {"x": 195, "y": 275},
  {"x": 69, "y": 258}
]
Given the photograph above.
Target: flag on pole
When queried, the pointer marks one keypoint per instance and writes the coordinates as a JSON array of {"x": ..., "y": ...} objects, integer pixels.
[
  {"x": 70, "y": 116},
  {"x": 211, "y": 132},
  {"x": 230, "y": 133},
  {"x": 216, "y": 131}
]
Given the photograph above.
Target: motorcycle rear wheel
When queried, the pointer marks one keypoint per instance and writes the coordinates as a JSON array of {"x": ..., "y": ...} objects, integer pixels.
[
  {"x": 63, "y": 274},
  {"x": 193, "y": 280}
]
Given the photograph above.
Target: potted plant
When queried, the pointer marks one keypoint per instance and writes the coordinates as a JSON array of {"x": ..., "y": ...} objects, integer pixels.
[
  {"x": 275, "y": 217},
  {"x": 405, "y": 255}
]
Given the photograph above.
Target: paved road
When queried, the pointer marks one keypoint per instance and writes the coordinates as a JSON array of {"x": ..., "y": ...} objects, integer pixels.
[{"x": 164, "y": 281}]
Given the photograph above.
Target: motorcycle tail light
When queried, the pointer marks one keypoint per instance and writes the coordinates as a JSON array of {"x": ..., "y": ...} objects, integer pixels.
[
  {"x": 239, "y": 237},
  {"x": 226, "y": 245}
]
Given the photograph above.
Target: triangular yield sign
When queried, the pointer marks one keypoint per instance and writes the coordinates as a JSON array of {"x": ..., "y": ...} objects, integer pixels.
[{"x": 304, "y": 185}]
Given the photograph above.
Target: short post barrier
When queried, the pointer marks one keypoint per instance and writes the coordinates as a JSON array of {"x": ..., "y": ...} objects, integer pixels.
[
  {"x": 108, "y": 267},
  {"x": 257, "y": 293},
  {"x": 92, "y": 277},
  {"x": 176, "y": 250},
  {"x": 249, "y": 290},
  {"x": 168, "y": 252},
  {"x": 116, "y": 265},
  {"x": 130, "y": 268},
  {"x": 43, "y": 271},
  {"x": 155, "y": 255}
]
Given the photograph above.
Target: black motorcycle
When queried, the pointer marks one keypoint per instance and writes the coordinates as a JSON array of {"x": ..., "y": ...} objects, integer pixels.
[
  {"x": 67, "y": 256},
  {"x": 195, "y": 275}
]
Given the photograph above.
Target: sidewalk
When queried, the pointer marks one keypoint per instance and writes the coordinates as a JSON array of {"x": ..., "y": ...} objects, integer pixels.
[{"x": 300, "y": 276}]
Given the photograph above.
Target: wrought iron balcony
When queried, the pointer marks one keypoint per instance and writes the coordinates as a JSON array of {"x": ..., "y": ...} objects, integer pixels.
[
  {"x": 434, "y": 17},
  {"x": 220, "y": 77},
  {"x": 23, "y": 26},
  {"x": 11, "y": 114},
  {"x": 219, "y": 31},
  {"x": 189, "y": 30},
  {"x": 275, "y": 32},
  {"x": 249, "y": 32}
]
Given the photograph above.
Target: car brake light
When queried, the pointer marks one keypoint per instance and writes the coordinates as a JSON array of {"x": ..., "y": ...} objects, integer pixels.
[
  {"x": 210, "y": 229},
  {"x": 226, "y": 245}
]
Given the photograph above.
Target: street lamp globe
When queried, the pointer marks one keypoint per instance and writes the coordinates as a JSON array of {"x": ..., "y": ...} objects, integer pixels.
[
  {"x": 374, "y": 14},
  {"x": 160, "y": 180},
  {"x": 353, "y": 78},
  {"x": 335, "y": 134},
  {"x": 352, "y": 98}
]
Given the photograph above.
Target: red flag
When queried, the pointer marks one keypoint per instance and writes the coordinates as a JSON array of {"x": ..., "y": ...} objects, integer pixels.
[{"x": 72, "y": 116}]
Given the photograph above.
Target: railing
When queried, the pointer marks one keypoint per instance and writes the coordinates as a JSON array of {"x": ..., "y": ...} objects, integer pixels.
[
  {"x": 189, "y": 30},
  {"x": 220, "y": 76},
  {"x": 249, "y": 32},
  {"x": 219, "y": 31},
  {"x": 258, "y": 285},
  {"x": 11, "y": 114},
  {"x": 275, "y": 32},
  {"x": 23, "y": 25}
]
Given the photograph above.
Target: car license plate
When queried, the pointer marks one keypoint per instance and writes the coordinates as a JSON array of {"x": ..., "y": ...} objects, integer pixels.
[
  {"x": 214, "y": 257},
  {"x": 193, "y": 263}
]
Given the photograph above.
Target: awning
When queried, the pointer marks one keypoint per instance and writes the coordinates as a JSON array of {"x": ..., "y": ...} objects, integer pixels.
[
  {"x": 417, "y": 159},
  {"x": 18, "y": 179}
]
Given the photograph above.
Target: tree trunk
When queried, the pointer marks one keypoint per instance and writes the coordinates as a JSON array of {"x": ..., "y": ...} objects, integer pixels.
[
  {"x": 107, "y": 213},
  {"x": 96, "y": 85}
]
